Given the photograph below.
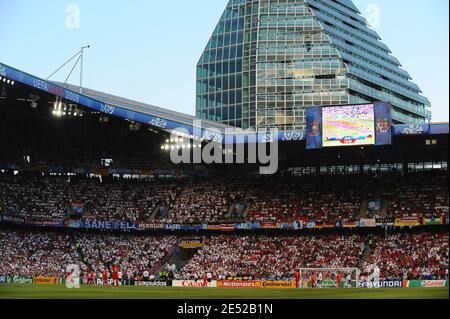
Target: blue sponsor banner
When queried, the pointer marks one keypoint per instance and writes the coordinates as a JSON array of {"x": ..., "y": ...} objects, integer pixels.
[
  {"x": 72, "y": 96},
  {"x": 313, "y": 134},
  {"x": 383, "y": 123},
  {"x": 440, "y": 128},
  {"x": 196, "y": 227},
  {"x": 56, "y": 223},
  {"x": 421, "y": 129},
  {"x": 254, "y": 226},
  {"x": 248, "y": 225},
  {"x": 13, "y": 219},
  {"x": 284, "y": 225},
  {"x": 109, "y": 225},
  {"x": 74, "y": 223},
  {"x": 314, "y": 127},
  {"x": 171, "y": 226},
  {"x": 310, "y": 224},
  {"x": 412, "y": 129},
  {"x": 191, "y": 227},
  {"x": 241, "y": 226}
]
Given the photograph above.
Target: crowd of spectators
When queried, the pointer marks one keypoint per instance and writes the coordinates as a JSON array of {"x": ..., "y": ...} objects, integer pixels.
[
  {"x": 411, "y": 256},
  {"x": 44, "y": 253},
  {"x": 399, "y": 256},
  {"x": 264, "y": 257},
  {"x": 417, "y": 194},
  {"x": 324, "y": 198},
  {"x": 134, "y": 254},
  {"x": 34, "y": 198},
  {"x": 119, "y": 200},
  {"x": 314, "y": 198},
  {"x": 206, "y": 200},
  {"x": 36, "y": 253}
]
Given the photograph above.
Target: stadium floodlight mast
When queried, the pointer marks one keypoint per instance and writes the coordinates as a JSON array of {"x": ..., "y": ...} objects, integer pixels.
[
  {"x": 81, "y": 66},
  {"x": 80, "y": 55}
]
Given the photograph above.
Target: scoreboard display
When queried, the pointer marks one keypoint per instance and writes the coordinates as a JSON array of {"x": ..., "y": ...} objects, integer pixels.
[{"x": 349, "y": 125}]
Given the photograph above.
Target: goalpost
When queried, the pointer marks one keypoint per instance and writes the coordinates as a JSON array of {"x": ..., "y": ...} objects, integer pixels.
[{"x": 350, "y": 277}]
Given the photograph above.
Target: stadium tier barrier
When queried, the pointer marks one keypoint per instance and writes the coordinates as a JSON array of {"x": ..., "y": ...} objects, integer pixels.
[
  {"x": 257, "y": 284},
  {"x": 296, "y": 225}
]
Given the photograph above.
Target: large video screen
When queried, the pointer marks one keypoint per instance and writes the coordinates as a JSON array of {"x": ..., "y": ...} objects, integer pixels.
[{"x": 348, "y": 125}]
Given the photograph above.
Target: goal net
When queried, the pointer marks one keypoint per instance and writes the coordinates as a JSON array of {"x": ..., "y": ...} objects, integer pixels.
[{"x": 329, "y": 277}]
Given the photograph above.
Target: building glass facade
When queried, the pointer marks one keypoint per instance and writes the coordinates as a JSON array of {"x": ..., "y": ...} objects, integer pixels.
[{"x": 269, "y": 59}]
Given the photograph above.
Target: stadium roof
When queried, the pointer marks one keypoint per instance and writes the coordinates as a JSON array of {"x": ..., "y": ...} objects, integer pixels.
[
  {"x": 170, "y": 120},
  {"x": 140, "y": 107}
]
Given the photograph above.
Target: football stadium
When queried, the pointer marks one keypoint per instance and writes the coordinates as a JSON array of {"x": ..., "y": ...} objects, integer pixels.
[
  {"x": 90, "y": 183},
  {"x": 104, "y": 197}
]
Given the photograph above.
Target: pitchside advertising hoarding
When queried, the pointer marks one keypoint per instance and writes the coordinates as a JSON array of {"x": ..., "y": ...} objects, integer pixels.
[
  {"x": 259, "y": 284},
  {"x": 348, "y": 125},
  {"x": 194, "y": 283}
]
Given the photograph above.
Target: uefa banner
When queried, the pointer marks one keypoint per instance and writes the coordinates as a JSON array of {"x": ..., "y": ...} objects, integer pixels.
[{"x": 412, "y": 129}]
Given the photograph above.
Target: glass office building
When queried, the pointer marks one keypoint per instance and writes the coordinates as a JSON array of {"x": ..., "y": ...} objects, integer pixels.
[{"x": 269, "y": 59}]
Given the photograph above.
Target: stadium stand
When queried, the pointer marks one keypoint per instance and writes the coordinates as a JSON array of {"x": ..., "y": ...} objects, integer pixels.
[
  {"x": 111, "y": 166},
  {"x": 272, "y": 258},
  {"x": 242, "y": 257},
  {"x": 308, "y": 198},
  {"x": 34, "y": 198},
  {"x": 131, "y": 253},
  {"x": 411, "y": 256},
  {"x": 31, "y": 253}
]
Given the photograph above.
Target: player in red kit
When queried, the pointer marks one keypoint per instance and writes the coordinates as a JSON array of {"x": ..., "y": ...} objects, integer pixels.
[
  {"x": 91, "y": 278},
  {"x": 205, "y": 280},
  {"x": 313, "y": 281},
  {"x": 115, "y": 276},
  {"x": 339, "y": 279},
  {"x": 297, "y": 278},
  {"x": 105, "y": 277}
]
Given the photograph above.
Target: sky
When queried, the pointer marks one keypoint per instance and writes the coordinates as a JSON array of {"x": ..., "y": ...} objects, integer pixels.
[{"x": 147, "y": 50}]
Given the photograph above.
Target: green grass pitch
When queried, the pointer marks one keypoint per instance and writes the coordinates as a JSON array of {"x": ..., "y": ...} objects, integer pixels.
[{"x": 23, "y": 291}]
